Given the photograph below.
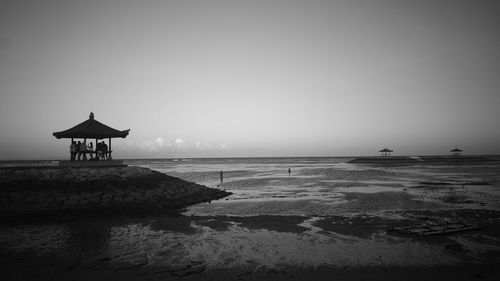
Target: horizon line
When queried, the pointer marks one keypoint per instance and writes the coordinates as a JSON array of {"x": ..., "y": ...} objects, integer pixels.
[{"x": 263, "y": 157}]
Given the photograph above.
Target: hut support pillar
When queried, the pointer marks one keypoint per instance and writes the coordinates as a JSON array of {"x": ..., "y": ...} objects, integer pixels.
[
  {"x": 71, "y": 152},
  {"x": 85, "y": 151},
  {"x": 109, "y": 157}
]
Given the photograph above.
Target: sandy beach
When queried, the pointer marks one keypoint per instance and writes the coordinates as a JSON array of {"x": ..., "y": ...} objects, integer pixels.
[{"x": 328, "y": 220}]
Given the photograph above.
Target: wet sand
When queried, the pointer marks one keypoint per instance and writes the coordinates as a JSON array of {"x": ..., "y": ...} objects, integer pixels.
[
  {"x": 179, "y": 247},
  {"x": 48, "y": 269}
]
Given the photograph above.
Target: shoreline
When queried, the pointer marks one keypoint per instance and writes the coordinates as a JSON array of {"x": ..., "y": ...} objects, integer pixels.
[
  {"x": 422, "y": 160},
  {"x": 55, "y": 161}
]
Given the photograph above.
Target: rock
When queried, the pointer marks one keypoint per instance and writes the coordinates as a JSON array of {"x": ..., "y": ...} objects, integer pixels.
[{"x": 52, "y": 189}]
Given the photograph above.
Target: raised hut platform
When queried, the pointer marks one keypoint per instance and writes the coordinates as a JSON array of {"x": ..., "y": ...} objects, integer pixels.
[
  {"x": 113, "y": 191},
  {"x": 90, "y": 164}
]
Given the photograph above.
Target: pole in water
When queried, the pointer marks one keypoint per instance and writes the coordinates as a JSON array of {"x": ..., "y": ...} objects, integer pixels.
[
  {"x": 289, "y": 171},
  {"x": 221, "y": 176}
]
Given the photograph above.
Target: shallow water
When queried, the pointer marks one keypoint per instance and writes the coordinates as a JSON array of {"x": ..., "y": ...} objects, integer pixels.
[
  {"x": 277, "y": 220},
  {"x": 317, "y": 186}
]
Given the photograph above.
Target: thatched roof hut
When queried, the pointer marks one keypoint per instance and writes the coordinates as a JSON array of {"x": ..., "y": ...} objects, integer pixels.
[
  {"x": 385, "y": 152},
  {"x": 456, "y": 152},
  {"x": 92, "y": 129}
]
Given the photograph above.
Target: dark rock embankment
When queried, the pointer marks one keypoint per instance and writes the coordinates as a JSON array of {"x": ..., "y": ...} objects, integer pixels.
[{"x": 111, "y": 190}]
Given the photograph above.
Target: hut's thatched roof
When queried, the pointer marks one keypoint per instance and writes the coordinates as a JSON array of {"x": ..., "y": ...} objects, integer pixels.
[
  {"x": 385, "y": 150},
  {"x": 91, "y": 129}
]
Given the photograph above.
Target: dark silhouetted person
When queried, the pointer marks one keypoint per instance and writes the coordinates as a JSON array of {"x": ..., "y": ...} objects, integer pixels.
[
  {"x": 90, "y": 148},
  {"x": 221, "y": 176},
  {"x": 78, "y": 150},
  {"x": 99, "y": 150},
  {"x": 83, "y": 150},
  {"x": 105, "y": 150},
  {"x": 72, "y": 151},
  {"x": 289, "y": 171}
]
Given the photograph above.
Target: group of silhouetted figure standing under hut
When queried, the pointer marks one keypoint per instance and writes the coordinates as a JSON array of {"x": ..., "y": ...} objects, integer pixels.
[{"x": 79, "y": 150}]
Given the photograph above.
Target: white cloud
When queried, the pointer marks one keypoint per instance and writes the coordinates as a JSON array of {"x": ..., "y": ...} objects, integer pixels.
[
  {"x": 193, "y": 148},
  {"x": 159, "y": 142},
  {"x": 179, "y": 142},
  {"x": 148, "y": 145},
  {"x": 202, "y": 145}
]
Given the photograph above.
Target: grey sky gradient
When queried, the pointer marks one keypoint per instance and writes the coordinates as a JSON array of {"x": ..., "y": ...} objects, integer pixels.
[{"x": 252, "y": 78}]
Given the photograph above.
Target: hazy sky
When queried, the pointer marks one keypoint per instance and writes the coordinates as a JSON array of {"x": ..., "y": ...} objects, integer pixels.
[{"x": 252, "y": 78}]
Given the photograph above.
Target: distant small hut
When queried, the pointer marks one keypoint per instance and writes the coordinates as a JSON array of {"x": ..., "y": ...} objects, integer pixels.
[
  {"x": 386, "y": 152},
  {"x": 456, "y": 152},
  {"x": 93, "y": 130}
]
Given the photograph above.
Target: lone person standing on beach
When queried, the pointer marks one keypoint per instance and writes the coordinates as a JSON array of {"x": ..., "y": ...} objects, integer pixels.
[
  {"x": 289, "y": 171},
  {"x": 221, "y": 176}
]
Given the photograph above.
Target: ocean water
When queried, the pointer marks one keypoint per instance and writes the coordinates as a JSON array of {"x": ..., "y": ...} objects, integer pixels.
[{"x": 326, "y": 212}]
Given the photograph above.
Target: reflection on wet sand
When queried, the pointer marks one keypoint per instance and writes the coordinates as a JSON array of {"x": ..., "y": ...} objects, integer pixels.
[{"x": 223, "y": 242}]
